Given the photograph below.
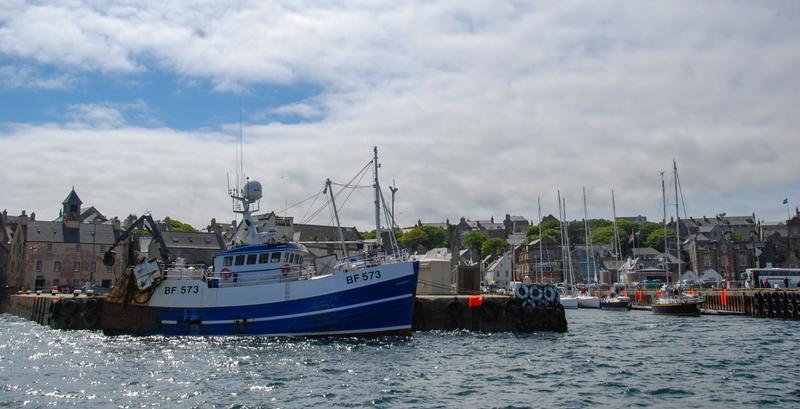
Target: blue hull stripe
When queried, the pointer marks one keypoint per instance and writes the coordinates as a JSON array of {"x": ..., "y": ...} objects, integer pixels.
[
  {"x": 380, "y": 317},
  {"x": 210, "y": 322}
]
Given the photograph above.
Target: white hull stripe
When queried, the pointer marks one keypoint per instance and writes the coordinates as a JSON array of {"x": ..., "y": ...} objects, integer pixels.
[{"x": 304, "y": 314}]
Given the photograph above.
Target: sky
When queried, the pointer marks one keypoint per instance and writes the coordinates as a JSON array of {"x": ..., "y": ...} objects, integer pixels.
[{"x": 477, "y": 108}]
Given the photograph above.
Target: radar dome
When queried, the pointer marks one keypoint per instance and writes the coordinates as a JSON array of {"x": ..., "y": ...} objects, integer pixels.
[{"x": 252, "y": 191}]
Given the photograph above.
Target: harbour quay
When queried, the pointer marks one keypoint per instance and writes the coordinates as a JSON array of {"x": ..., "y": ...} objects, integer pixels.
[
  {"x": 486, "y": 313},
  {"x": 763, "y": 303}
]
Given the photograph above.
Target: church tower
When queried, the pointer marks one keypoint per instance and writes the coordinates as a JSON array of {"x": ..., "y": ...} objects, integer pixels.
[{"x": 71, "y": 206}]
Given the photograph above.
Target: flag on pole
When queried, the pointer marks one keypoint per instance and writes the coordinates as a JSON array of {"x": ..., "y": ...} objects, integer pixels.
[{"x": 786, "y": 200}]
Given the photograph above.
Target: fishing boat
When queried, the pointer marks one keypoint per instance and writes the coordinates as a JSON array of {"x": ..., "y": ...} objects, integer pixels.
[{"x": 262, "y": 285}]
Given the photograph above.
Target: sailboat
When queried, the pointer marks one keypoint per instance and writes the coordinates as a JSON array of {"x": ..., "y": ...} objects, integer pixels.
[
  {"x": 587, "y": 300},
  {"x": 671, "y": 301},
  {"x": 567, "y": 299},
  {"x": 615, "y": 301}
]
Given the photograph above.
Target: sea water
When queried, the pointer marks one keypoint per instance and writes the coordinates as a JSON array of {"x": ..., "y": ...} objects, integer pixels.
[{"x": 610, "y": 359}]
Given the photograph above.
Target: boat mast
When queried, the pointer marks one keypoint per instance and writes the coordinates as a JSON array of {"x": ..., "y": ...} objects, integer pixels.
[
  {"x": 329, "y": 189},
  {"x": 664, "y": 207},
  {"x": 376, "y": 186},
  {"x": 566, "y": 241},
  {"x": 586, "y": 234},
  {"x": 617, "y": 244},
  {"x": 677, "y": 217},
  {"x": 562, "y": 238},
  {"x": 541, "y": 236}
]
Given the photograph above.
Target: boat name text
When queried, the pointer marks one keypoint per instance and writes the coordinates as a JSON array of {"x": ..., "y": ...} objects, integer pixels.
[
  {"x": 184, "y": 289},
  {"x": 365, "y": 276}
]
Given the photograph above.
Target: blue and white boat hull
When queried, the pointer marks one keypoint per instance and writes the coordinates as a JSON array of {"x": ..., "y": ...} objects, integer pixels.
[{"x": 370, "y": 301}]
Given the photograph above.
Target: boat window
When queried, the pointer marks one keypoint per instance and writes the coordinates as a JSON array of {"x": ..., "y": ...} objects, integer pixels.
[
  {"x": 263, "y": 258},
  {"x": 227, "y": 261},
  {"x": 285, "y": 257},
  {"x": 239, "y": 260},
  {"x": 275, "y": 258},
  {"x": 292, "y": 258},
  {"x": 251, "y": 258}
]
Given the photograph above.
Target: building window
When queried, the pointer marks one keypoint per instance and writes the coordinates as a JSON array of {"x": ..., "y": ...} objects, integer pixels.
[
  {"x": 78, "y": 247},
  {"x": 93, "y": 267},
  {"x": 76, "y": 266},
  {"x": 707, "y": 261},
  {"x": 55, "y": 282},
  {"x": 109, "y": 269},
  {"x": 49, "y": 247},
  {"x": 38, "y": 266},
  {"x": 57, "y": 267},
  {"x": 106, "y": 284},
  {"x": 76, "y": 283}
]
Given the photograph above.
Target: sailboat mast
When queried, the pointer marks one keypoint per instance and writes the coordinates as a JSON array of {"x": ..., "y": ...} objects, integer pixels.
[
  {"x": 664, "y": 208},
  {"x": 617, "y": 244},
  {"x": 541, "y": 237},
  {"x": 586, "y": 233},
  {"x": 566, "y": 241},
  {"x": 677, "y": 217},
  {"x": 377, "y": 187},
  {"x": 561, "y": 236}
]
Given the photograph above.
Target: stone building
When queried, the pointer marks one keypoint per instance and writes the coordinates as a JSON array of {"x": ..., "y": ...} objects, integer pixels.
[
  {"x": 5, "y": 248},
  {"x": 66, "y": 252},
  {"x": 547, "y": 268},
  {"x": 784, "y": 251}
]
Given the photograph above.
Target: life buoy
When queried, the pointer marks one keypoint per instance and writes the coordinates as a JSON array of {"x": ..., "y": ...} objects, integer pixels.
[
  {"x": 550, "y": 294},
  {"x": 522, "y": 292},
  {"x": 225, "y": 272},
  {"x": 285, "y": 269},
  {"x": 489, "y": 311},
  {"x": 90, "y": 305},
  {"x": 535, "y": 292},
  {"x": 454, "y": 307},
  {"x": 69, "y": 306}
]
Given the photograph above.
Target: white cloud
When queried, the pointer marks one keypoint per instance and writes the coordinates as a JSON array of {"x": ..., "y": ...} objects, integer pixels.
[{"x": 478, "y": 108}]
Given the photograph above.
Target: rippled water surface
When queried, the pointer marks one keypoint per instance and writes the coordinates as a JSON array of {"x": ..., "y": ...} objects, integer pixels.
[{"x": 613, "y": 359}]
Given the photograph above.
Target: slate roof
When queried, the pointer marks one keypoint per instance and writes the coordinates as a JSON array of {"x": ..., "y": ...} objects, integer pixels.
[
  {"x": 57, "y": 232},
  {"x": 72, "y": 197},
  {"x": 189, "y": 240},
  {"x": 313, "y": 232}
]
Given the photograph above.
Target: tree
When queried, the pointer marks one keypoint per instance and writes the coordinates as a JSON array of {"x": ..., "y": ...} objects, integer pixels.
[
  {"x": 603, "y": 235},
  {"x": 413, "y": 239},
  {"x": 177, "y": 225},
  {"x": 436, "y": 236},
  {"x": 424, "y": 237},
  {"x": 475, "y": 239},
  {"x": 368, "y": 235},
  {"x": 656, "y": 239},
  {"x": 494, "y": 246}
]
